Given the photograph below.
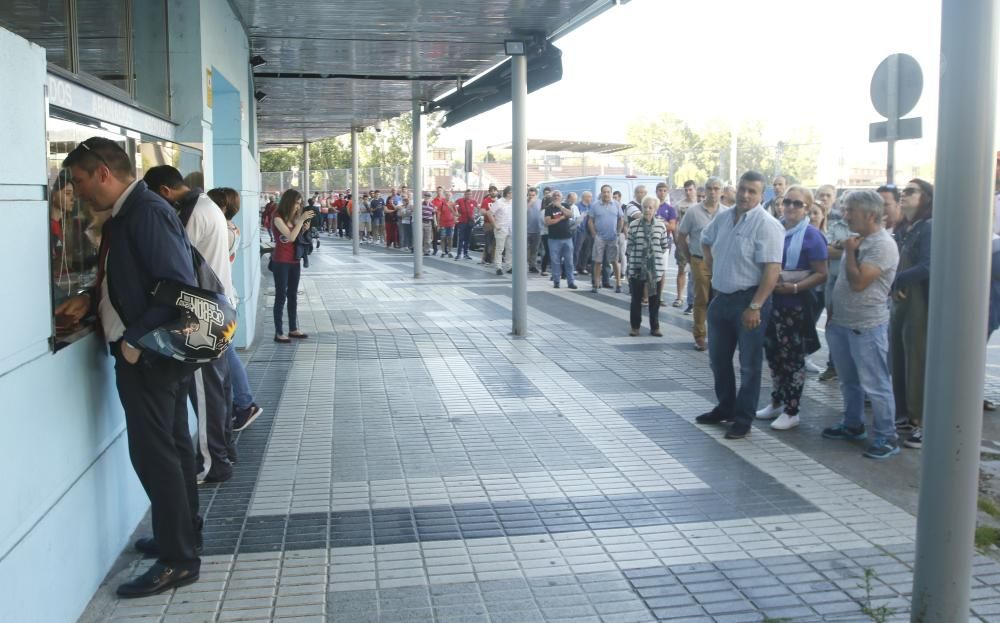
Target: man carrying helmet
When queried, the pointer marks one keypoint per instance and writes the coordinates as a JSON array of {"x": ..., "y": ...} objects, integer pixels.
[{"x": 143, "y": 244}]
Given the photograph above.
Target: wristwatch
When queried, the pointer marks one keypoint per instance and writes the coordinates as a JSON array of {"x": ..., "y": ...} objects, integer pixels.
[{"x": 755, "y": 306}]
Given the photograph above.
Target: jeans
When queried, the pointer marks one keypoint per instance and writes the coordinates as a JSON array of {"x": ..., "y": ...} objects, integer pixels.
[
  {"x": 242, "y": 397},
  {"x": 464, "y": 237},
  {"x": 725, "y": 333},
  {"x": 637, "y": 290},
  {"x": 862, "y": 361},
  {"x": 690, "y": 288},
  {"x": 561, "y": 251},
  {"x": 583, "y": 246},
  {"x": 406, "y": 229},
  {"x": 286, "y": 288}
]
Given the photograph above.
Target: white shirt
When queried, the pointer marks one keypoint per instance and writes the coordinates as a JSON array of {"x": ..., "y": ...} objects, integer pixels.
[
  {"x": 111, "y": 322},
  {"x": 209, "y": 233},
  {"x": 501, "y": 211}
]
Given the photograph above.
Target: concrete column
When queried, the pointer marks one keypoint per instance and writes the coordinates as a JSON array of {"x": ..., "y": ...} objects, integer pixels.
[
  {"x": 307, "y": 181},
  {"x": 418, "y": 190},
  {"x": 355, "y": 198},
  {"x": 519, "y": 175},
  {"x": 956, "y": 342}
]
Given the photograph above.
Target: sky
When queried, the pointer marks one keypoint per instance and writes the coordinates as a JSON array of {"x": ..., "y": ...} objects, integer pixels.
[{"x": 789, "y": 63}]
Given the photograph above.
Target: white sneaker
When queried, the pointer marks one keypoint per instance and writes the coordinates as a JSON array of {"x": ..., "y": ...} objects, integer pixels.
[
  {"x": 769, "y": 412},
  {"x": 811, "y": 367},
  {"x": 785, "y": 422}
]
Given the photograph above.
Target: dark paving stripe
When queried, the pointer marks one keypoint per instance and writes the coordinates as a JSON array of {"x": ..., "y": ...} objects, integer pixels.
[
  {"x": 737, "y": 490},
  {"x": 224, "y": 506}
]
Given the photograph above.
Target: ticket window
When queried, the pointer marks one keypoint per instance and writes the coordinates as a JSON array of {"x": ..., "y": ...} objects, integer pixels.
[{"x": 74, "y": 226}]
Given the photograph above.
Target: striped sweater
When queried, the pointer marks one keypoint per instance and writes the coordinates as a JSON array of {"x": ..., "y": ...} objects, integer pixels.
[{"x": 637, "y": 245}]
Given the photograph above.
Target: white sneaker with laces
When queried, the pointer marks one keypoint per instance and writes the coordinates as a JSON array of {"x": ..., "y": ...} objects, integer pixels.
[
  {"x": 785, "y": 422},
  {"x": 812, "y": 367},
  {"x": 769, "y": 412}
]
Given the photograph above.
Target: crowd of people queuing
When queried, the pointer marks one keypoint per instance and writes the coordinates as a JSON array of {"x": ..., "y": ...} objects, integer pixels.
[
  {"x": 163, "y": 232},
  {"x": 757, "y": 276}
]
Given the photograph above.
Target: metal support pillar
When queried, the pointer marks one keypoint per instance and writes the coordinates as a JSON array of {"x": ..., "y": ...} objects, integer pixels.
[
  {"x": 307, "y": 180},
  {"x": 355, "y": 195},
  {"x": 956, "y": 342},
  {"x": 733, "y": 175},
  {"x": 418, "y": 191},
  {"x": 519, "y": 183}
]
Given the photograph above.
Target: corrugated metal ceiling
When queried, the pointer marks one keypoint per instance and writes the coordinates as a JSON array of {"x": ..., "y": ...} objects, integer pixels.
[{"x": 385, "y": 53}]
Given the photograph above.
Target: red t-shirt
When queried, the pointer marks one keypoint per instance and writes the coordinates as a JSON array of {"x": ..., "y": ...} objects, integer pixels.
[
  {"x": 466, "y": 210},
  {"x": 446, "y": 217}
]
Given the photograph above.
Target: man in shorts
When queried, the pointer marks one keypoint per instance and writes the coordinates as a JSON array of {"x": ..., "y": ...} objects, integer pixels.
[{"x": 606, "y": 220}]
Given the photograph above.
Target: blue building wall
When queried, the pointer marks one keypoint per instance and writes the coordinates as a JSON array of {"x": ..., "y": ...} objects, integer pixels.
[{"x": 69, "y": 496}]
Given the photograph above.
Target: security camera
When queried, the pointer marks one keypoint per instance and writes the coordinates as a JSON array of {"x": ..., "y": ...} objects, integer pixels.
[{"x": 378, "y": 126}]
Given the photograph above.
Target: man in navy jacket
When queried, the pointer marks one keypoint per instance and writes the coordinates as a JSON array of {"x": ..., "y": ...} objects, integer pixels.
[{"x": 141, "y": 244}]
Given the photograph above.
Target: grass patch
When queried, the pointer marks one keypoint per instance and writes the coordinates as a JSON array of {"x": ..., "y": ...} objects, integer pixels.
[
  {"x": 986, "y": 536},
  {"x": 989, "y": 456},
  {"x": 988, "y": 506}
]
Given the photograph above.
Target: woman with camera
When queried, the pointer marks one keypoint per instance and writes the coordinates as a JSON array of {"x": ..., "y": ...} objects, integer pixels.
[{"x": 289, "y": 221}]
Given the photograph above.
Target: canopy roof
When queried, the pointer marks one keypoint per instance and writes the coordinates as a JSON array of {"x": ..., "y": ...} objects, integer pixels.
[{"x": 334, "y": 65}]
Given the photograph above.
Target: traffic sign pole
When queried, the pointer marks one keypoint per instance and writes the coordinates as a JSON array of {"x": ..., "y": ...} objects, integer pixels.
[{"x": 893, "y": 130}]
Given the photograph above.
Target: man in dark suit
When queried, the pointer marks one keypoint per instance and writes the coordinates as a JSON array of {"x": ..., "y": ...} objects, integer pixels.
[{"x": 143, "y": 243}]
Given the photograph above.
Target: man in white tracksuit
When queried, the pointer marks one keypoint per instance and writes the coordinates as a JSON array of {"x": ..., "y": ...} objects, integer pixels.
[{"x": 211, "y": 390}]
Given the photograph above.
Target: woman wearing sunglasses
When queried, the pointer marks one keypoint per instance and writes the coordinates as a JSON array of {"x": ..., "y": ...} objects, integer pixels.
[
  {"x": 908, "y": 325},
  {"x": 791, "y": 329}
]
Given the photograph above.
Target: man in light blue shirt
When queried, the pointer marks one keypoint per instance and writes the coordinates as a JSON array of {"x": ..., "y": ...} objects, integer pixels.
[
  {"x": 742, "y": 249},
  {"x": 604, "y": 223}
]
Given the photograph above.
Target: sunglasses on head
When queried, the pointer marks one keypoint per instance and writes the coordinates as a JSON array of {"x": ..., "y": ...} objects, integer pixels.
[
  {"x": 796, "y": 203},
  {"x": 94, "y": 153}
]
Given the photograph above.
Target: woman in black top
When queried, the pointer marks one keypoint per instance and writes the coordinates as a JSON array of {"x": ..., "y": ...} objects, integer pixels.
[{"x": 908, "y": 325}]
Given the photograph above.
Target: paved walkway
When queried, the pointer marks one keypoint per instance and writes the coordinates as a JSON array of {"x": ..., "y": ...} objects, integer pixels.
[{"x": 417, "y": 463}]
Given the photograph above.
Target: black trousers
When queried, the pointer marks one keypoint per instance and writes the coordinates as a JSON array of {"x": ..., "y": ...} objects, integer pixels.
[
  {"x": 212, "y": 396},
  {"x": 635, "y": 312},
  {"x": 153, "y": 393}
]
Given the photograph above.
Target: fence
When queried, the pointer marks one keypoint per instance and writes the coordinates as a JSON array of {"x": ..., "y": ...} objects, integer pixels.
[{"x": 541, "y": 167}]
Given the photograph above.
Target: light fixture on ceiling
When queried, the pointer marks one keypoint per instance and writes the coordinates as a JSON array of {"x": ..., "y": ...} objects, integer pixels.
[
  {"x": 257, "y": 60},
  {"x": 259, "y": 96},
  {"x": 514, "y": 47}
]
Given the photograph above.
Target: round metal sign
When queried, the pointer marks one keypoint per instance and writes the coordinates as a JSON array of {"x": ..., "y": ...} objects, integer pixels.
[{"x": 910, "y": 81}]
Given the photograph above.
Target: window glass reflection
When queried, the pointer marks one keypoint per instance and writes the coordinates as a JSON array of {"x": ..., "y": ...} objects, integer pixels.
[{"x": 43, "y": 22}]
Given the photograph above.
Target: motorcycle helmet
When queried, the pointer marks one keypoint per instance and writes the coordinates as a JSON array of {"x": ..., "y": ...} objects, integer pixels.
[{"x": 201, "y": 332}]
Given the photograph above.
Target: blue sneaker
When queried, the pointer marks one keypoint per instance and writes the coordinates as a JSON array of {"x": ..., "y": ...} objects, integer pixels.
[
  {"x": 882, "y": 449},
  {"x": 844, "y": 433}
]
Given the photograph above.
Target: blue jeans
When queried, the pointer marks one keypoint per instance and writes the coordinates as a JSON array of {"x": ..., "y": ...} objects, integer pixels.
[
  {"x": 242, "y": 398},
  {"x": 862, "y": 362},
  {"x": 561, "y": 252},
  {"x": 725, "y": 333},
  {"x": 464, "y": 237},
  {"x": 690, "y": 287},
  {"x": 286, "y": 287}
]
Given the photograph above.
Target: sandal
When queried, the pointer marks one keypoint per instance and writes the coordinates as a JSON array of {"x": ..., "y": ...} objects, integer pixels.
[
  {"x": 299, "y": 335},
  {"x": 281, "y": 339}
]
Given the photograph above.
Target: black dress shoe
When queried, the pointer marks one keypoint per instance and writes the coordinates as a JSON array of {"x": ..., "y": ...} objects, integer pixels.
[
  {"x": 737, "y": 431},
  {"x": 713, "y": 417},
  {"x": 157, "y": 579}
]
